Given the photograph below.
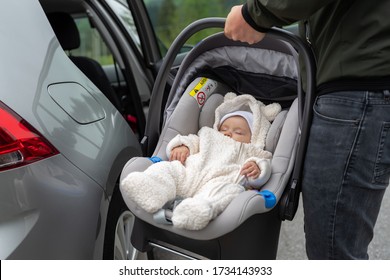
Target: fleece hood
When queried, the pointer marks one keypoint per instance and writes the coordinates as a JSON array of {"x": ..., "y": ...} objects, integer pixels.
[{"x": 263, "y": 114}]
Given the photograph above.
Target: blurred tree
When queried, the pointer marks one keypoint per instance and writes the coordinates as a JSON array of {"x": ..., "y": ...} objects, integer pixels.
[
  {"x": 168, "y": 17},
  {"x": 167, "y": 22},
  {"x": 174, "y": 15}
]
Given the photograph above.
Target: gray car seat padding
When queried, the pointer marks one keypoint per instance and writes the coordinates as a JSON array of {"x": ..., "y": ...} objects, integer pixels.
[{"x": 207, "y": 114}]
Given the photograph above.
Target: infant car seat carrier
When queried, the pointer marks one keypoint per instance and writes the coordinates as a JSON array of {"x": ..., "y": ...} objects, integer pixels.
[{"x": 249, "y": 227}]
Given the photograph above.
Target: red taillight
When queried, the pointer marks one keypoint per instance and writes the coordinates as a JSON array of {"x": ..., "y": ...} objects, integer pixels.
[{"x": 20, "y": 143}]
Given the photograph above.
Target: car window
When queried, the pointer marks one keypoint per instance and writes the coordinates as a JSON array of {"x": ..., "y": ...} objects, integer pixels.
[
  {"x": 122, "y": 10},
  {"x": 91, "y": 43},
  {"x": 169, "y": 17}
]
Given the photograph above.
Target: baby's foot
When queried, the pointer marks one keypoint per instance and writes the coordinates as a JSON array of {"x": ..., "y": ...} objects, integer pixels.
[{"x": 192, "y": 214}]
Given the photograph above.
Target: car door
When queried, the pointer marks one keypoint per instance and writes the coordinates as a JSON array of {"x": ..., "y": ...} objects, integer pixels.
[{"x": 140, "y": 32}]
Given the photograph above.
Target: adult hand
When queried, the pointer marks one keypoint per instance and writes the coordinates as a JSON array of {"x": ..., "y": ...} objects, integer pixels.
[{"x": 237, "y": 29}]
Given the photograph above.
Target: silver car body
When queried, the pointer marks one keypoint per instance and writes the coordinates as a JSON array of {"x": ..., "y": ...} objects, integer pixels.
[{"x": 56, "y": 208}]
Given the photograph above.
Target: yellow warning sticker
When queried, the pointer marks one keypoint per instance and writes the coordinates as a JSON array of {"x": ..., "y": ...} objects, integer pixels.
[{"x": 195, "y": 90}]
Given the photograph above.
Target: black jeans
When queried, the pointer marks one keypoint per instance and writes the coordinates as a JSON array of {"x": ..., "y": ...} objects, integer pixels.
[{"x": 346, "y": 173}]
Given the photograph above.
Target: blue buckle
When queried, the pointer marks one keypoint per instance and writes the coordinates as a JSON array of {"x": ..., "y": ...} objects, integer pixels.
[
  {"x": 269, "y": 198},
  {"x": 155, "y": 159}
]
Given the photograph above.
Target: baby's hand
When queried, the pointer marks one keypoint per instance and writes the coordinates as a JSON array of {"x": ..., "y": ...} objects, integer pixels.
[
  {"x": 180, "y": 153},
  {"x": 250, "y": 169}
]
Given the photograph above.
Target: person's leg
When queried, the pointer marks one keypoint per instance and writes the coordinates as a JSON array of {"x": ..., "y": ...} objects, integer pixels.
[
  {"x": 346, "y": 172},
  {"x": 154, "y": 187}
]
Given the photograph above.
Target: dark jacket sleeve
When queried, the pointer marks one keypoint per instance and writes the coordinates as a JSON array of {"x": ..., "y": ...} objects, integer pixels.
[{"x": 264, "y": 14}]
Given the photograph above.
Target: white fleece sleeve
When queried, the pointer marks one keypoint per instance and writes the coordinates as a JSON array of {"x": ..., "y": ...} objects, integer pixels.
[
  {"x": 265, "y": 172},
  {"x": 191, "y": 141}
]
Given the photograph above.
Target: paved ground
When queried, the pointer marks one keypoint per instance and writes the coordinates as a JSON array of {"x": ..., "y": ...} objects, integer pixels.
[{"x": 292, "y": 241}]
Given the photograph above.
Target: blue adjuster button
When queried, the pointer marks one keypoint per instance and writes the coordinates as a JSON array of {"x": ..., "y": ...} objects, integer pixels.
[
  {"x": 155, "y": 159},
  {"x": 269, "y": 198}
]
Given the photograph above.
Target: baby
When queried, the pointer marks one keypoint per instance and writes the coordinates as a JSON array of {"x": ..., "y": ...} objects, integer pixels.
[
  {"x": 207, "y": 170},
  {"x": 236, "y": 125}
]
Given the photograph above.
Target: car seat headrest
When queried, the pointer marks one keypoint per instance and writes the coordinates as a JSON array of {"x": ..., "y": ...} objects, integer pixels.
[
  {"x": 65, "y": 29},
  {"x": 207, "y": 113}
]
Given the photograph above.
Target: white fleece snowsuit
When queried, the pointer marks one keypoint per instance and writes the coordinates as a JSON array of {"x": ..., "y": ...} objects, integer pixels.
[{"x": 210, "y": 178}]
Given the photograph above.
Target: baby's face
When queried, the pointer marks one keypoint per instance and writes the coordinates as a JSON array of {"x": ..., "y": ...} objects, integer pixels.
[{"x": 236, "y": 128}]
